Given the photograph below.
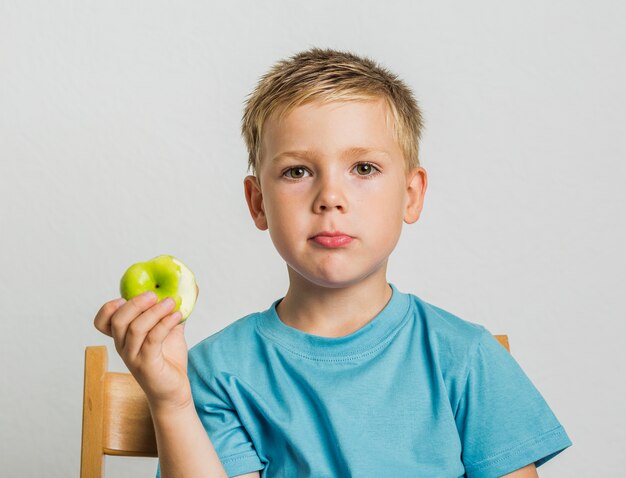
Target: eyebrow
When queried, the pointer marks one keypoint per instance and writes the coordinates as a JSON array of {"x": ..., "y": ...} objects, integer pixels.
[{"x": 348, "y": 153}]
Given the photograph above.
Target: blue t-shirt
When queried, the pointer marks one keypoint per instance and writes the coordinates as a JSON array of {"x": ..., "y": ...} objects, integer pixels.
[{"x": 417, "y": 391}]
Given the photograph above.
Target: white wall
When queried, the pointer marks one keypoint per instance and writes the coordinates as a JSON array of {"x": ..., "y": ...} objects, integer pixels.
[{"x": 119, "y": 140}]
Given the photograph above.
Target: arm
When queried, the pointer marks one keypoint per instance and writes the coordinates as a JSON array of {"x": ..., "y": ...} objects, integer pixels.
[
  {"x": 528, "y": 471},
  {"x": 150, "y": 340},
  {"x": 184, "y": 447},
  {"x": 501, "y": 405}
]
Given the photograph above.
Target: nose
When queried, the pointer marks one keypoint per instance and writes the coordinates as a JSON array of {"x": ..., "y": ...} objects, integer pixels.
[{"x": 330, "y": 196}]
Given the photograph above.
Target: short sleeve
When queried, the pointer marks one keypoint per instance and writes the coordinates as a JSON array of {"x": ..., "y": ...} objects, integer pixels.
[
  {"x": 503, "y": 421},
  {"x": 226, "y": 432}
]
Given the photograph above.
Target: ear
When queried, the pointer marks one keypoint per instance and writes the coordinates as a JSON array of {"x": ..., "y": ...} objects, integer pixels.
[
  {"x": 416, "y": 184},
  {"x": 254, "y": 198}
]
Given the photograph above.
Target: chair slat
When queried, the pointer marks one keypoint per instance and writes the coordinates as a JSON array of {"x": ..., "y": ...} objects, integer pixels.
[
  {"x": 128, "y": 429},
  {"x": 91, "y": 460}
]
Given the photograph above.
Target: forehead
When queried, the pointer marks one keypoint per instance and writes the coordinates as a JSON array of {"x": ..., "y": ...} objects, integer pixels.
[{"x": 327, "y": 128}]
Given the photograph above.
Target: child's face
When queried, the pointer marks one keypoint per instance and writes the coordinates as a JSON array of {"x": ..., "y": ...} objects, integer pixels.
[{"x": 298, "y": 197}]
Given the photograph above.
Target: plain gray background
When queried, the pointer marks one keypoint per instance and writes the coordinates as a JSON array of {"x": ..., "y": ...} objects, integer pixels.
[{"x": 120, "y": 140}]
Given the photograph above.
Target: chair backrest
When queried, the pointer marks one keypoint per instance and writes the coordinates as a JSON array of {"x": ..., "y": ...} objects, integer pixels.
[{"x": 116, "y": 416}]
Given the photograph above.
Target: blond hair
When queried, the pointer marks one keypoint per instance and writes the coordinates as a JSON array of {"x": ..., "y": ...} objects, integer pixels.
[{"x": 329, "y": 75}]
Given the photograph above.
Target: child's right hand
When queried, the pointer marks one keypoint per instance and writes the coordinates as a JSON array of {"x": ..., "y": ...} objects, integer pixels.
[{"x": 151, "y": 342}]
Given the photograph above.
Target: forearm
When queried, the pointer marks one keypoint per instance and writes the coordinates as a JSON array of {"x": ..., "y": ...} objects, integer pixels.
[{"x": 185, "y": 450}]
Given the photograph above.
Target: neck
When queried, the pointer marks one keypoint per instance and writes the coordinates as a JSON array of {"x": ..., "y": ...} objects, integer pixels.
[{"x": 333, "y": 311}]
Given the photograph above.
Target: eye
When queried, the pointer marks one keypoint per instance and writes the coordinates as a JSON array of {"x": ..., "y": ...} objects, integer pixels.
[
  {"x": 367, "y": 167},
  {"x": 298, "y": 169},
  {"x": 368, "y": 170}
]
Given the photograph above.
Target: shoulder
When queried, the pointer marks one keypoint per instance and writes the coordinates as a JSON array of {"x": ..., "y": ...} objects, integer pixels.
[
  {"x": 446, "y": 331},
  {"x": 450, "y": 343},
  {"x": 225, "y": 347}
]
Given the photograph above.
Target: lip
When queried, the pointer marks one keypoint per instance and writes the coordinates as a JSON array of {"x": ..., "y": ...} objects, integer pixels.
[
  {"x": 330, "y": 234},
  {"x": 332, "y": 239}
]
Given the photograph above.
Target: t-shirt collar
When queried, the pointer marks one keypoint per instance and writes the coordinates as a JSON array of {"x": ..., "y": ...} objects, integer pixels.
[{"x": 362, "y": 341}]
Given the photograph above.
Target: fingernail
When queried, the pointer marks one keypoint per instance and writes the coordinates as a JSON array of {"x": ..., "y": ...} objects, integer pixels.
[
  {"x": 150, "y": 295},
  {"x": 169, "y": 302},
  {"x": 120, "y": 302}
]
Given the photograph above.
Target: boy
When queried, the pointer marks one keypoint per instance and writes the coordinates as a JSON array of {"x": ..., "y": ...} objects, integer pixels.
[{"x": 345, "y": 376}]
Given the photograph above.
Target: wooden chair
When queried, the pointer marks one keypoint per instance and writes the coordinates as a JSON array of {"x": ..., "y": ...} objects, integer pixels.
[{"x": 116, "y": 417}]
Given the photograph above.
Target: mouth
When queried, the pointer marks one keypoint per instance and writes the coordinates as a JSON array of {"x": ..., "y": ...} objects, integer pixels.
[
  {"x": 332, "y": 239},
  {"x": 330, "y": 234}
]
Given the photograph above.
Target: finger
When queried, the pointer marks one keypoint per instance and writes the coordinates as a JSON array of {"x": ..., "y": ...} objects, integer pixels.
[
  {"x": 126, "y": 314},
  {"x": 153, "y": 344},
  {"x": 102, "y": 321},
  {"x": 142, "y": 325}
]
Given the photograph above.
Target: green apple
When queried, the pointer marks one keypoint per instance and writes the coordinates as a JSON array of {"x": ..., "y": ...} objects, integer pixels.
[{"x": 167, "y": 277}]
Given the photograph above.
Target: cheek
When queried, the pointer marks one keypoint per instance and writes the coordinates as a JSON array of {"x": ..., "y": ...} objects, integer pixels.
[
  {"x": 382, "y": 198},
  {"x": 288, "y": 201},
  {"x": 283, "y": 214},
  {"x": 383, "y": 212}
]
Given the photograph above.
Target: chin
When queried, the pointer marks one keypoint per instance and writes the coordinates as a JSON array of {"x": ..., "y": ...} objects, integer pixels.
[{"x": 339, "y": 280}]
